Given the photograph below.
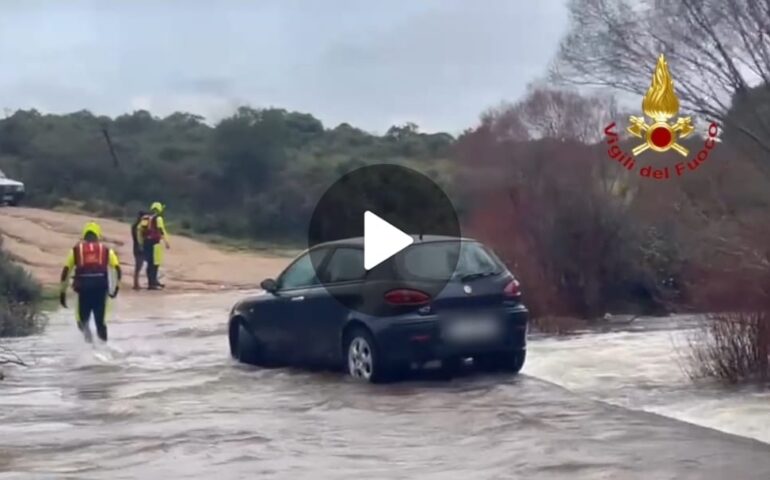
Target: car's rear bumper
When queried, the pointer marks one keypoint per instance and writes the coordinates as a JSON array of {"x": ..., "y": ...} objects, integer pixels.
[
  {"x": 419, "y": 338},
  {"x": 8, "y": 196}
]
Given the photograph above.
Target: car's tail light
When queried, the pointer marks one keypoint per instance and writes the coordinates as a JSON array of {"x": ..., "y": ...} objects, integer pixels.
[
  {"x": 407, "y": 297},
  {"x": 512, "y": 290}
]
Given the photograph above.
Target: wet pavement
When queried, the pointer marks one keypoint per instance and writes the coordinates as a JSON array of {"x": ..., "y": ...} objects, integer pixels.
[{"x": 164, "y": 400}]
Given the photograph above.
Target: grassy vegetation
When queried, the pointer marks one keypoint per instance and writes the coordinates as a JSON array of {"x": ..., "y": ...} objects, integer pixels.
[
  {"x": 733, "y": 347},
  {"x": 49, "y": 300},
  {"x": 21, "y": 300}
]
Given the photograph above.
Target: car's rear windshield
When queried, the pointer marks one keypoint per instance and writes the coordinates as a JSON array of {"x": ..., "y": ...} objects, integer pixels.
[{"x": 435, "y": 261}]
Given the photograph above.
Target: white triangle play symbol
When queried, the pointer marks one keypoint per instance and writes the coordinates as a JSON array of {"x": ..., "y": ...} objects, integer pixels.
[{"x": 381, "y": 240}]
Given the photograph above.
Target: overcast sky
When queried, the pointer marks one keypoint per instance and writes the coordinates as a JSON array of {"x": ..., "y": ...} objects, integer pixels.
[{"x": 370, "y": 63}]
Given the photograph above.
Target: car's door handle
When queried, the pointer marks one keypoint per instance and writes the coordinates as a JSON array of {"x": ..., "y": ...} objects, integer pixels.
[{"x": 297, "y": 299}]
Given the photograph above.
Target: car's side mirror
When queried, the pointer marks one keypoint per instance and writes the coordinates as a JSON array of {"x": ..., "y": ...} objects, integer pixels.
[{"x": 269, "y": 285}]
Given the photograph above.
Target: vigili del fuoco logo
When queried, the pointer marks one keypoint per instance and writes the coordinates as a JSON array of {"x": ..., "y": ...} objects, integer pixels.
[{"x": 660, "y": 104}]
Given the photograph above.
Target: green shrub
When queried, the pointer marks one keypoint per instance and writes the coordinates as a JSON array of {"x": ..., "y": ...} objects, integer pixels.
[{"x": 20, "y": 300}]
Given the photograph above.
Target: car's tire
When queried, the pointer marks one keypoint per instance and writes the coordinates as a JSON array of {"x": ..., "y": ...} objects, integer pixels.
[
  {"x": 509, "y": 362},
  {"x": 451, "y": 367},
  {"x": 363, "y": 361},
  {"x": 243, "y": 346}
]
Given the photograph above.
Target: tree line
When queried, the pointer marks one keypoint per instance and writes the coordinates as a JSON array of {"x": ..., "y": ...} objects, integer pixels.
[{"x": 255, "y": 174}]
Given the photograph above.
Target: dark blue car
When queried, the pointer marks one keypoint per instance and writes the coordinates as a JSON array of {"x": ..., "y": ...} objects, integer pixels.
[{"x": 326, "y": 311}]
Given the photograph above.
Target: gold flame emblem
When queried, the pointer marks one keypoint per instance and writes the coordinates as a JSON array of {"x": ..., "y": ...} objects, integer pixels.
[{"x": 660, "y": 104}]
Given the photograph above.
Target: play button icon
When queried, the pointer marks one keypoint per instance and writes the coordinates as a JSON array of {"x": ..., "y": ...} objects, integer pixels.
[
  {"x": 383, "y": 227},
  {"x": 381, "y": 240}
]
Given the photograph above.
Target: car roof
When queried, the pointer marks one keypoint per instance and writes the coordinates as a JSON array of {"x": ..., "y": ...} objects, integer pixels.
[{"x": 359, "y": 241}]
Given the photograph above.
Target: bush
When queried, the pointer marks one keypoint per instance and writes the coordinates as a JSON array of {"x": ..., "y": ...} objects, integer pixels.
[
  {"x": 544, "y": 208},
  {"x": 733, "y": 344},
  {"x": 732, "y": 347},
  {"x": 540, "y": 190},
  {"x": 20, "y": 300}
]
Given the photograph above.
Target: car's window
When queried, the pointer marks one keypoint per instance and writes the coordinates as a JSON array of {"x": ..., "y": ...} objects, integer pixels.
[
  {"x": 345, "y": 265},
  {"x": 435, "y": 261},
  {"x": 2, "y": 175},
  {"x": 475, "y": 259},
  {"x": 300, "y": 274}
]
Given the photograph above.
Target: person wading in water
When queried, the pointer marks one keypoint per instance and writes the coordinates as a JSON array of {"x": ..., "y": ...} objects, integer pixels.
[
  {"x": 89, "y": 262},
  {"x": 153, "y": 233}
]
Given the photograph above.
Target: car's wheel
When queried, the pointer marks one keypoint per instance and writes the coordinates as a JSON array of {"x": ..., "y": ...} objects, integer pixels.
[
  {"x": 243, "y": 345},
  {"x": 450, "y": 367},
  {"x": 362, "y": 358},
  {"x": 510, "y": 362}
]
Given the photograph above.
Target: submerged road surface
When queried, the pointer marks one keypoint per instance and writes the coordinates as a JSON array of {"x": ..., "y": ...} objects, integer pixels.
[{"x": 165, "y": 401}]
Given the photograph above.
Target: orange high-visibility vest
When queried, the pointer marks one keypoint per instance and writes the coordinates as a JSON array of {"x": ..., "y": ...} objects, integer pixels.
[
  {"x": 150, "y": 230},
  {"x": 91, "y": 266}
]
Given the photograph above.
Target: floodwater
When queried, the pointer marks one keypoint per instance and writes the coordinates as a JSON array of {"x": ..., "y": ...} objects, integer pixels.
[{"x": 164, "y": 400}]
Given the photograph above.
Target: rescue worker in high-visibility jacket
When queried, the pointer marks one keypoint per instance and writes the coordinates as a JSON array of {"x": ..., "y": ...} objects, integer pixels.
[
  {"x": 153, "y": 233},
  {"x": 89, "y": 263}
]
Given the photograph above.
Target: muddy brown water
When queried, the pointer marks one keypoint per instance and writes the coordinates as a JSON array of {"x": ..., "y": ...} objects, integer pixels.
[{"x": 166, "y": 401}]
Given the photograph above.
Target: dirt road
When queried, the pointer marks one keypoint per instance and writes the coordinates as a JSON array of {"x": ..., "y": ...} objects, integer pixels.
[{"x": 39, "y": 239}]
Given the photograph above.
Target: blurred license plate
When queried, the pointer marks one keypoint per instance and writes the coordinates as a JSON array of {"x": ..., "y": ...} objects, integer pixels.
[
  {"x": 472, "y": 328},
  {"x": 8, "y": 197}
]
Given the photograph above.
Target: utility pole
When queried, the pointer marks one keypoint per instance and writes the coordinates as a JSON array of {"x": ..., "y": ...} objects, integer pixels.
[{"x": 110, "y": 146}]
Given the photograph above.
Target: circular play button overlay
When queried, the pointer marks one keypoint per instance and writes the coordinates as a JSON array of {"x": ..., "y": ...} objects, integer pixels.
[{"x": 384, "y": 239}]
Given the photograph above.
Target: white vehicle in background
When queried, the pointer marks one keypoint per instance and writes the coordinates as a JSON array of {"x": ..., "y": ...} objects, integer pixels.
[{"x": 11, "y": 191}]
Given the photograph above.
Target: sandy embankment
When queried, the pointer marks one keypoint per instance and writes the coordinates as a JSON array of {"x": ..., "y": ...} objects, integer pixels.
[{"x": 39, "y": 240}]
